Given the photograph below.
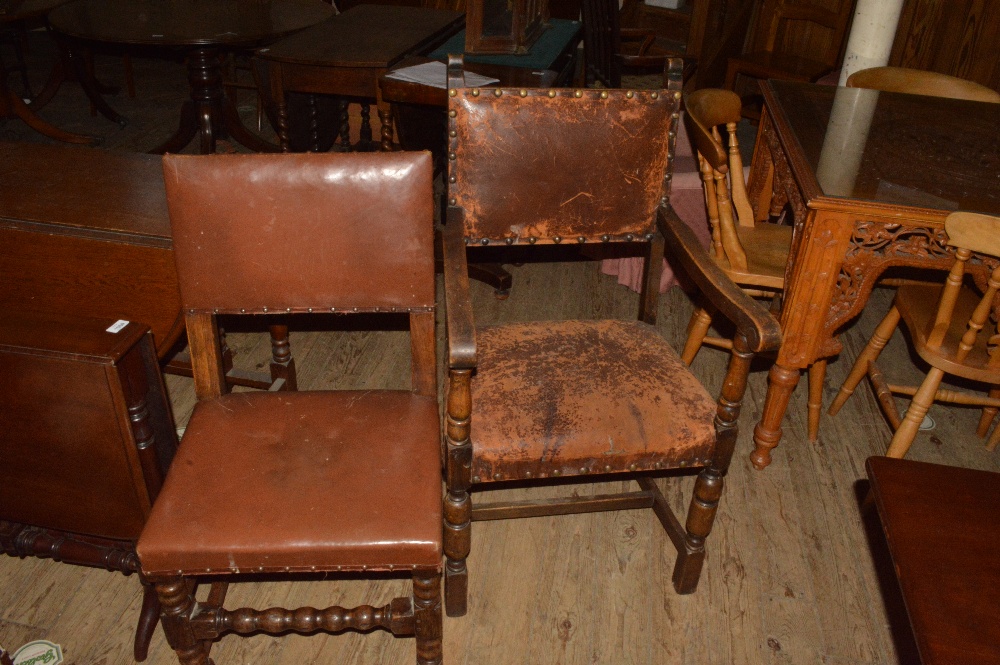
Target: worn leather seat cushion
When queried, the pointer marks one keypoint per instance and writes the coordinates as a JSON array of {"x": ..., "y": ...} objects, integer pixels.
[
  {"x": 561, "y": 398},
  {"x": 301, "y": 481}
]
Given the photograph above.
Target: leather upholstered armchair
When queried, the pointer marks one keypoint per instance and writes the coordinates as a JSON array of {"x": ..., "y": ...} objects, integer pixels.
[{"x": 578, "y": 401}]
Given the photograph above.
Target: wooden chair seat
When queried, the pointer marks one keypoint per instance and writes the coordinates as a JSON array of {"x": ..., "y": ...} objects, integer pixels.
[
  {"x": 550, "y": 400},
  {"x": 766, "y": 247},
  {"x": 307, "y": 460},
  {"x": 917, "y": 305}
]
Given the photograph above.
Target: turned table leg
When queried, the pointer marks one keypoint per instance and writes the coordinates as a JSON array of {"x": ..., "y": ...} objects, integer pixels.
[{"x": 766, "y": 435}]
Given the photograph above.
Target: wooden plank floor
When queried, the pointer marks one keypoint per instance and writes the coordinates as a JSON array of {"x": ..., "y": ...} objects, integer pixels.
[{"x": 791, "y": 576}]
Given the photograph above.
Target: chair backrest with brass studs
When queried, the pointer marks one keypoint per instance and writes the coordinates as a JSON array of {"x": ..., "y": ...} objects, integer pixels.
[{"x": 560, "y": 165}]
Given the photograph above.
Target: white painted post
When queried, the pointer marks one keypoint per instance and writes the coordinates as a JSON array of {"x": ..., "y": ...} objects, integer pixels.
[{"x": 872, "y": 33}]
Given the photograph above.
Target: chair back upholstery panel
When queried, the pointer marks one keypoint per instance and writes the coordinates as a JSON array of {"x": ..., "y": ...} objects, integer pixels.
[
  {"x": 349, "y": 250},
  {"x": 553, "y": 165}
]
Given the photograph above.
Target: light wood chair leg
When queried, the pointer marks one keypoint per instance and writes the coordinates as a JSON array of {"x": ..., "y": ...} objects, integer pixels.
[
  {"x": 868, "y": 355},
  {"x": 884, "y": 397},
  {"x": 701, "y": 321},
  {"x": 817, "y": 375},
  {"x": 991, "y": 445},
  {"x": 989, "y": 415},
  {"x": 922, "y": 401}
]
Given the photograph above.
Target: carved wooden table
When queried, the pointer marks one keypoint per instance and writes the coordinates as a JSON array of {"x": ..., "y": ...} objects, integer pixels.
[
  {"x": 870, "y": 178},
  {"x": 203, "y": 30},
  {"x": 942, "y": 525},
  {"x": 347, "y": 54}
]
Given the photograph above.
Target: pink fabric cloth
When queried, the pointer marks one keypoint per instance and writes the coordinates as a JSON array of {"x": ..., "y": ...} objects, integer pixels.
[{"x": 688, "y": 200}]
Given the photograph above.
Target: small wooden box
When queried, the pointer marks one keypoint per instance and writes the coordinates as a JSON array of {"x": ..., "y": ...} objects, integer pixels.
[{"x": 504, "y": 26}]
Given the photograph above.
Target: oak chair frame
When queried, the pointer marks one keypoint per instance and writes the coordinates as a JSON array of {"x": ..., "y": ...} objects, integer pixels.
[
  {"x": 757, "y": 332},
  {"x": 191, "y": 626}
]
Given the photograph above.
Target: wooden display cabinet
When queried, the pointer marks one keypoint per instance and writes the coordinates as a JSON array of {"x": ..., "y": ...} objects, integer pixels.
[{"x": 504, "y": 26}]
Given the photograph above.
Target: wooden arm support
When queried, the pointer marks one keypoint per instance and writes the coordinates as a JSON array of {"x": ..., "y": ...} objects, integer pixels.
[
  {"x": 752, "y": 320},
  {"x": 458, "y": 306}
]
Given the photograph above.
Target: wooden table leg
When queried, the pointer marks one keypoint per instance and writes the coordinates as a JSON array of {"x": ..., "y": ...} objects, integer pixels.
[
  {"x": 766, "y": 435},
  {"x": 94, "y": 91},
  {"x": 209, "y": 114},
  {"x": 11, "y": 104}
]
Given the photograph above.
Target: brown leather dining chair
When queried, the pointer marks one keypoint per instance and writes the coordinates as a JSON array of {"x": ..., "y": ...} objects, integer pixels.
[
  {"x": 753, "y": 255},
  {"x": 946, "y": 324},
  {"x": 586, "y": 401},
  {"x": 308, "y": 482}
]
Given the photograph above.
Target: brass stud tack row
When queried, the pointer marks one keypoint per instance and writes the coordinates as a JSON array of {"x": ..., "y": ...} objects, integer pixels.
[
  {"x": 584, "y": 470},
  {"x": 531, "y": 240},
  {"x": 578, "y": 93},
  {"x": 310, "y": 310}
]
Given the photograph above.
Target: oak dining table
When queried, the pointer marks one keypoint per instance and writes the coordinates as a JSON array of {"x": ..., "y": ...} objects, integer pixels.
[{"x": 869, "y": 177}]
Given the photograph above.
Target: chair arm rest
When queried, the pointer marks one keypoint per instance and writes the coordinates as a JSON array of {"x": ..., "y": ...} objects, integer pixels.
[
  {"x": 752, "y": 320},
  {"x": 461, "y": 327}
]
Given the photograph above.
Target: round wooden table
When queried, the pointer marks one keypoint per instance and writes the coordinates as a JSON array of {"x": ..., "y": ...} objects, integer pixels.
[{"x": 204, "y": 30}]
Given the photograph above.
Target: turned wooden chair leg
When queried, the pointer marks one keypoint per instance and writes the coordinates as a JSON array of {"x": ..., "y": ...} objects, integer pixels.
[
  {"x": 868, "y": 355},
  {"x": 884, "y": 397},
  {"x": 344, "y": 135},
  {"x": 457, "y": 502},
  {"x": 989, "y": 414},
  {"x": 701, "y": 515},
  {"x": 994, "y": 439},
  {"x": 282, "y": 362},
  {"x": 817, "y": 375},
  {"x": 177, "y": 605},
  {"x": 922, "y": 401},
  {"x": 148, "y": 617},
  {"x": 427, "y": 617},
  {"x": 366, "y": 126},
  {"x": 701, "y": 321}
]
